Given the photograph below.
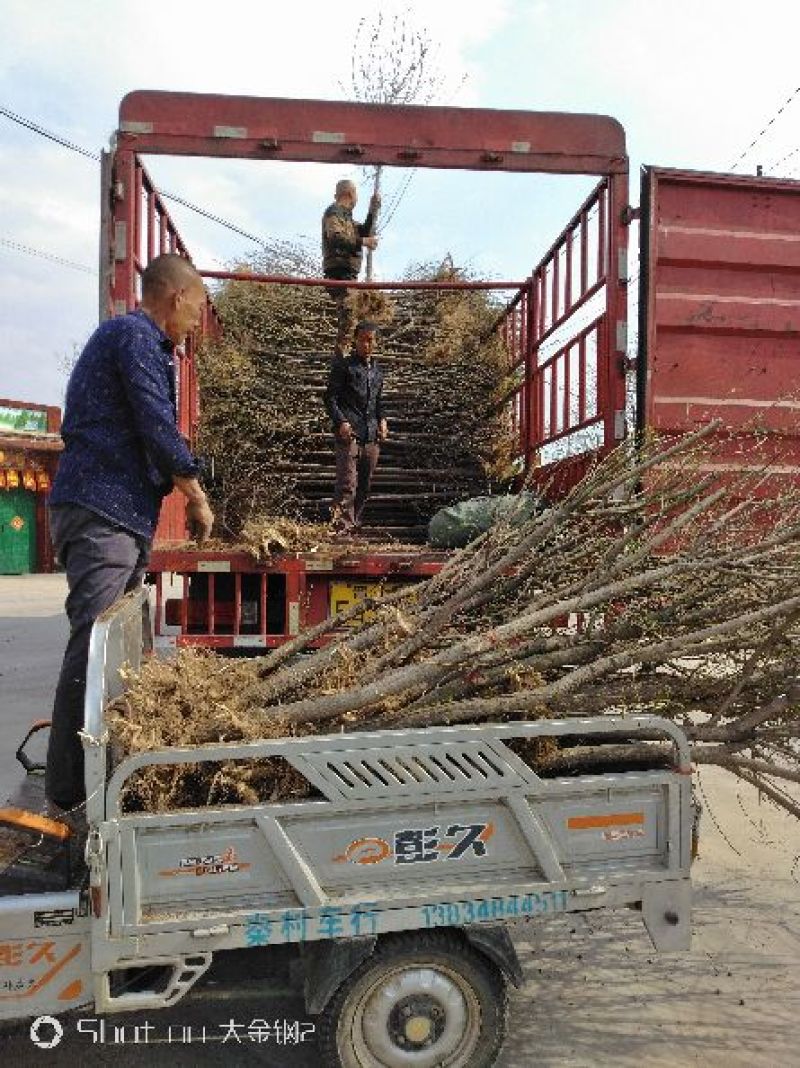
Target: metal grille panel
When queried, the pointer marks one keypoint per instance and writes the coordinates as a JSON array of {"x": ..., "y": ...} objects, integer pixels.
[{"x": 441, "y": 768}]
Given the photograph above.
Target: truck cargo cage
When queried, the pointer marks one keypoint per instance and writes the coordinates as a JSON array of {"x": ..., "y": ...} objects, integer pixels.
[{"x": 404, "y": 829}]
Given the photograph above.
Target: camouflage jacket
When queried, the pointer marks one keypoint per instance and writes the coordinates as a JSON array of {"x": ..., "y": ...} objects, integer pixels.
[{"x": 342, "y": 240}]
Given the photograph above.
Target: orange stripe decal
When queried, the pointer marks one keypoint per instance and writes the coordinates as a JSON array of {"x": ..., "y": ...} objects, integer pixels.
[
  {"x": 615, "y": 819},
  {"x": 48, "y": 975}
]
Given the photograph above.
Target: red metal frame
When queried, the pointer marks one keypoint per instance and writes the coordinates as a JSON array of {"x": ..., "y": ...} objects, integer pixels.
[
  {"x": 580, "y": 384},
  {"x": 136, "y": 226},
  {"x": 330, "y": 131},
  {"x": 305, "y": 595},
  {"x": 471, "y": 138},
  {"x": 720, "y": 319},
  {"x": 333, "y": 283}
]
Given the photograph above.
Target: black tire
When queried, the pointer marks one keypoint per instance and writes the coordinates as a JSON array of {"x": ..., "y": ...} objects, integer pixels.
[{"x": 434, "y": 984}]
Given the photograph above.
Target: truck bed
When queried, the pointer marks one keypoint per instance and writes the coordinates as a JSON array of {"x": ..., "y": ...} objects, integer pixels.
[{"x": 406, "y": 829}]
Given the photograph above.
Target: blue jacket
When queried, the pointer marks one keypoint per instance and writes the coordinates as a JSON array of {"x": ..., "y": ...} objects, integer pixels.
[
  {"x": 355, "y": 395},
  {"x": 121, "y": 440}
]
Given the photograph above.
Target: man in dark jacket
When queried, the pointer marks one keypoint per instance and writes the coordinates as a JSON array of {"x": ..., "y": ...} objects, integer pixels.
[
  {"x": 343, "y": 244},
  {"x": 354, "y": 401},
  {"x": 122, "y": 455}
]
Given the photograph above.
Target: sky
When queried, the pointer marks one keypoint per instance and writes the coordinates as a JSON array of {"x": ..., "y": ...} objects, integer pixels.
[{"x": 694, "y": 84}]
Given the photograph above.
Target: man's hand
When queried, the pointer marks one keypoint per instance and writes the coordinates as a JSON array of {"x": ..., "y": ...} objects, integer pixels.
[
  {"x": 383, "y": 430},
  {"x": 200, "y": 520},
  {"x": 370, "y": 242},
  {"x": 344, "y": 431},
  {"x": 375, "y": 202},
  {"x": 199, "y": 517}
]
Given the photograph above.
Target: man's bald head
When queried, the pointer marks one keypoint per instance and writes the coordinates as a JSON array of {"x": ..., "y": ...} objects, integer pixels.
[
  {"x": 166, "y": 274},
  {"x": 173, "y": 295},
  {"x": 346, "y": 193}
]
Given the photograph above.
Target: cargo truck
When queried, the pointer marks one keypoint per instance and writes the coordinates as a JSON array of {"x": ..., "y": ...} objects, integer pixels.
[
  {"x": 399, "y": 875},
  {"x": 717, "y": 331}
]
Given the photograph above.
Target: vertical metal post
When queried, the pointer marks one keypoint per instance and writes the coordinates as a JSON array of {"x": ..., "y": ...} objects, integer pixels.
[
  {"x": 124, "y": 284},
  {"x": 568, "y": 273},
  {"x": 106, "y": 250},
  {"x": 159, "y": 603},
  {"x": 617, "y": 318},
  {"x": 237, "y": 603},
  {"x": 151, "y": 224},
  {"x": 530, "y": 396},
  {"x": 138, "y": 220}
]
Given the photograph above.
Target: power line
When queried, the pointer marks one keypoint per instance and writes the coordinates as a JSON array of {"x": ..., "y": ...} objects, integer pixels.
[
  {"x": 17, "y": 246},
  {"x": 776, "y": 116},
  {"x": 36, "y": 128},
  {"x": 211, "y": 216},
  {"x": 777, "y": 163}
]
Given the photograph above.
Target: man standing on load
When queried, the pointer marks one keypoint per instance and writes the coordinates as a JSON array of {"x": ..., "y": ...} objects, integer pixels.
[
  {"x": 122, "y": 455},
  {"x": 354, "y": 401},
  {"x": 343, "y": 244}
]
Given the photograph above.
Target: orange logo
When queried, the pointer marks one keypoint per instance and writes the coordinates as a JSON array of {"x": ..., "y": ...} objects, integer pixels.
[
  {"x": 17, "y": 523},
  {"x": 365, "y": 851}
]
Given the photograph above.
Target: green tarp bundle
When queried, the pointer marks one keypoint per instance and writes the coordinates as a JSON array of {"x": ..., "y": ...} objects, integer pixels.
[{"x": 455, "y": 526}]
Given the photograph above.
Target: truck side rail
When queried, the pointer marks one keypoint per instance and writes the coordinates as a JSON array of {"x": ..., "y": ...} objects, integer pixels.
[
  {"x": 384, "y": 764},
  {"x": 122, "y": 636}
]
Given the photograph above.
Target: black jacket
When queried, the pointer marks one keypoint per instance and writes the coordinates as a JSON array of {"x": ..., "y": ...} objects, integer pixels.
[{"x": 354, "y": 395}]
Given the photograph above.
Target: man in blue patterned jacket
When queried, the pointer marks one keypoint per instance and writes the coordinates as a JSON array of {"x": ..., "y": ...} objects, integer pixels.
[{"x": 122, "y": 455}]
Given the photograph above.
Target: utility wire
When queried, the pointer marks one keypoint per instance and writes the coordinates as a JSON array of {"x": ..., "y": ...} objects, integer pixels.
[
  {"x": 17, "y": 246},
  {"x": 211, "y": 216},
  {"x": 777, "y": 163},
  {"x": 771, "y": 122},
  {"x": 36, "y": 128}
]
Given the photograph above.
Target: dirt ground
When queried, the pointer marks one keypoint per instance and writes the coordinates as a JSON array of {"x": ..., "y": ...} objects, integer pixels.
[{"x": 596, "y": 994}]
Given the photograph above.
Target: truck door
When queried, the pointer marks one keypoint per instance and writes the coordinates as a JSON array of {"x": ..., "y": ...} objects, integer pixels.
[{"x": 719, "y": 315}]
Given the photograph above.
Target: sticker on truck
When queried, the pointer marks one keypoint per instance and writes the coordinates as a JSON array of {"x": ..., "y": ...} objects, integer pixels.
[
  {"x": 29, "y": 965},
  {"x": 412, "y": 845},
  {"x": 225, "y": 863}
]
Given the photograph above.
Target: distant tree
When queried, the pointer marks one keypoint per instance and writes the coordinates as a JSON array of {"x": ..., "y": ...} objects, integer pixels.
[{"x": 392, "y": 62}]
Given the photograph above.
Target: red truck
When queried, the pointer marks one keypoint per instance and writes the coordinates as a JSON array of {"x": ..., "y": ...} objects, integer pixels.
[{"x": 719, "y": 319}]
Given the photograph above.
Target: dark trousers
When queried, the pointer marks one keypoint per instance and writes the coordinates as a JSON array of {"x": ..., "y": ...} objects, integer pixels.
[
  {"x": 102, "y": 562},
  {"x": 355, "y": 466},
  {"x": 345, "y": 323}
]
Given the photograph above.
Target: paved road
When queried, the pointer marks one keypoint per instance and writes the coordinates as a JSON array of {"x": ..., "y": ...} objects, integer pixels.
[{"x": 595, "y": 994}]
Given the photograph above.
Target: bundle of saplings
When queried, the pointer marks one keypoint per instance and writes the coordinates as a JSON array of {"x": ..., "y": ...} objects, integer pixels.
[
  {"x": 685, "y": 586},
  {"x": 264, "y": 428}
]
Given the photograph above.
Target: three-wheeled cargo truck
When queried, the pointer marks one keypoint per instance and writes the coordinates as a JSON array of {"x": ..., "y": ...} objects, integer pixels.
[{"x": 397, "y": 878}]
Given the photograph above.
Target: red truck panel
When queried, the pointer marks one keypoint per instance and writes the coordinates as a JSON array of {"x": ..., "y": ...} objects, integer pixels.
[
  {"x": 720, "y": 312},
  {"x": 227, "y": 599},
  {"x": 334, "y": 131}
]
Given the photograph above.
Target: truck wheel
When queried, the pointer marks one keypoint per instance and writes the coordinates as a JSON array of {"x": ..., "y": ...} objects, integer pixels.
[{"x": 422, "y": 999}]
